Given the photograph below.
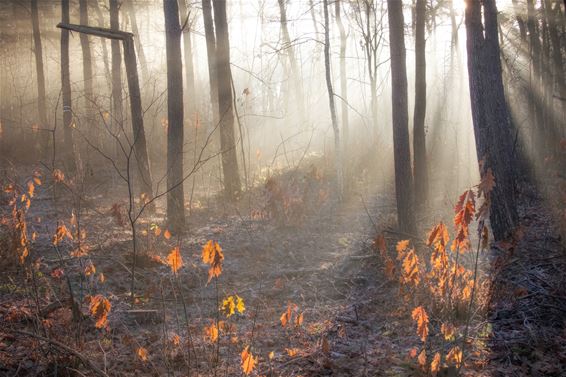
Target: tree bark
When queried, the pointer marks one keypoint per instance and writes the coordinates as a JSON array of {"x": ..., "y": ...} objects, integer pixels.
[
  {"x": 105, "y": 59},
  {"x": 419, "y": 138},
  {"x": 211, "y": 55},
  {"x": 87, "y": 65},
  {"x": 41, "y": 106},
  {"x": 138, "y": 45},
  {"x": 188, "y": 57},
  {"x": 117, "y": 105},
  {"x": 401, "y": 143},
  {"x": 232, "y": 185},
  {"x": 140, "y": 143},
  {"x": 70, "y": 151},
  {"x": 343, "y": 78},
  {"x": 490, "y": 114},
  {"x": 335, "y": 128},
  {"x": 175, "y": 134}
]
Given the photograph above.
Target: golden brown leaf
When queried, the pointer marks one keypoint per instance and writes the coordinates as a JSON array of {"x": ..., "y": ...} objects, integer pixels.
[
  {"x": 435, "y": 364},
  {"x": 248, "y": 361},
  {"x": 454, "y": 356},
  {"x": 99, "y": 309},
  {"x": 422, "y": 359},
  {"x": 142, "y": 354},
  {"x": 211, "y": 332},
  {"x": 421, "y": 317},
  {"x": 213, "y": 256},
  {"x": 402, "y": 246}
]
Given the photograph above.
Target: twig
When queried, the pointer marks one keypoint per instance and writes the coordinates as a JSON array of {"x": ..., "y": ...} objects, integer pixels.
[{"x": 60, "y": 345}]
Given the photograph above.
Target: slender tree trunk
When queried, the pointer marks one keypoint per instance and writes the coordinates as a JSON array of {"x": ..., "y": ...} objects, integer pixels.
[
  {"x": 87, "y": 65},
  {"x": 140, "y": 143},
  {"x": 535, "y": 91},
  {"x": 100, "y": 20},
  {"x": 139, "y": 46},
  {"x": 343, "y": 78},
  {"x": 117, "y": 105},
  {"x": 41, "y": 107},
  {"x": 175, "y": 195},
  {"x": 490, "y": 114},
  {"x": 419, "y": 138},
  {"x": 520, "y": 20},
  {"x": 336, "y": 129},
  {"x": 453, "y": 22},
  {"x": 232, "y": 185},
  {"x": 401, "y": 143},
  {"x": 211, "y": 55},
  {"x": 70, "y": 151},
  {"x": 188, "y": 57},
  {"x": 296, "y": 76}
]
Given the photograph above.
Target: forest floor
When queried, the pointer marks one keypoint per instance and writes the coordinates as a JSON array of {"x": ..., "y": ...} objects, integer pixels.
[{"x": 301, "y": 253}]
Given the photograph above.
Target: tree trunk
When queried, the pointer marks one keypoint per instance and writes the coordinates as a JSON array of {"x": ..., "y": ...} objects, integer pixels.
[
  {"x": 343, "y": 78},
  {"x": 211, "y": 54},
  {"x": 336, "y": 129},
  {"x": 139, "y": 144},
  {"x": 535, "y": 90},
  {"x": 117, "y": 105},
  {"x": 41, "y": 107},
  {"x": 70, "y": 151},
  {"x": 175, "y": 194},
  {"x": 401, "y": 143},
  {"x": 105, "y": 59},
  {"x": 232, "y": 185},
  {"x": 490, "y": 114},
  {"x": 139, "y": 47},
  {"x": 87, "y": 65},
  {"x": 188, "y": 57},
  {"x": 296, "y": 76},
  {"x": 419, "y": 138}
]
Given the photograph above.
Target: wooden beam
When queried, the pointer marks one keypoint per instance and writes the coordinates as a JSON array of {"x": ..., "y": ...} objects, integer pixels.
[{"x": 97, "y": 31}]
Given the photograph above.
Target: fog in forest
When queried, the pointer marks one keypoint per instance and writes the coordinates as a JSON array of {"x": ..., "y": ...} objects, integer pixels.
[{"x": 283, "y": 187}]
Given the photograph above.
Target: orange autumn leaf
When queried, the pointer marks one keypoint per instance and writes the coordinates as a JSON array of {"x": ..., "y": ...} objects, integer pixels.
[
  {"x": 213, "y": 256},
  {"x": 249, "y": 362},
  {"x": 487, "y": 183},
  {"x": 454, "y": 356},
  {"x": 402, "y": 246},
  {"x": 379, "y": 244},
  {"x": 61, "y": 233},
  {"x": 422, "y": 358},
  {"x": 287, "y": 314},
  {"x": 292, "y": 351},
  {"x": 167, "y": 234},
  {"x": 142, "y": 354},
  {"x": 421, "y": 317},
  {"x": 99, "y": 309},
  {"x": 58, "y": 176},
  {"x": 174, "y": 259},
  {"x": 299, "y": 320},
  {"x": 90, "y": 269},
  {"x": 435, "y": 364},
  {"x": 211, "y": 332}
]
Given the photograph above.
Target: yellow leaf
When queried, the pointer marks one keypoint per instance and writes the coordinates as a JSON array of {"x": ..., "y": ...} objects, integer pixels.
[
  {"x": 419, "y": 314},
  {"x": 240, "y": 306},
  {"x": 454, "y": 356},
  {"x": 228, "y": 306},
  {"x": 271, "y": 355},
  {"x": 248, "y": 361},
  {"x": 142, "y": 354},
  {"x": 174, "y": 259}
]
